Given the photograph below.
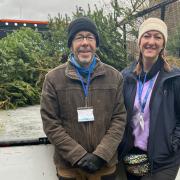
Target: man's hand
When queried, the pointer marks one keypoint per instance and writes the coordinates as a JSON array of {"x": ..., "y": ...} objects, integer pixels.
[{"x": 91, "y": 163}]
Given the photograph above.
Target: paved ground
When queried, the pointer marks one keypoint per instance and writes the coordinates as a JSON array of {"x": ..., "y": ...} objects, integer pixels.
[{"x": 24, "y": 123}]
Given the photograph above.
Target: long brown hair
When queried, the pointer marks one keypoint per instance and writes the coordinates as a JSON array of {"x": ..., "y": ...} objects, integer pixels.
[{"x": 139, "y": 65}]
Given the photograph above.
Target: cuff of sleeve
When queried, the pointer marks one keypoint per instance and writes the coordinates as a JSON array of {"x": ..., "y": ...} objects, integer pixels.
[
  {"x": 103, "y": 153},
  {"x": 77, "y": 153}
]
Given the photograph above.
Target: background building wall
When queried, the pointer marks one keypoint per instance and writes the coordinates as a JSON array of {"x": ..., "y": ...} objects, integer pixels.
[{"x": 172, "y": 15}]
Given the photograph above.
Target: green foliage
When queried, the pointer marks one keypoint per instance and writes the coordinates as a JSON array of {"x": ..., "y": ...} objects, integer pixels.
[
  {"x": 20, "y": 54},
  {"x": 173, "y": 45},
  {"x": 17, "y": 93},
  {"x": 23, "y": 63},
  {"x": 56, "y": 37},
  {"x": 111, "y": 49}
]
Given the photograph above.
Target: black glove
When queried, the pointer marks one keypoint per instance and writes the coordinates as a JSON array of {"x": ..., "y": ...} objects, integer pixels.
[{"x": 91, "y": 163}]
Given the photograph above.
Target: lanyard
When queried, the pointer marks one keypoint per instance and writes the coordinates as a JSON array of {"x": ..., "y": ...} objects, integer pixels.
[
  {"x": 140, "y": 90},
  {"x": 85, "y": 87}
]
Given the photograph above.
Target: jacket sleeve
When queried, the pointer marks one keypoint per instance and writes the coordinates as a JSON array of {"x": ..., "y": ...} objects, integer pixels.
[
  {"x": 69, "y": 149},
  {"x": 110, "y": 142},
  {"x": 176, "y": 134}
]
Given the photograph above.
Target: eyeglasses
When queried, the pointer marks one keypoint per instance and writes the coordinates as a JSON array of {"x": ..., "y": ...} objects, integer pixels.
[{"x": 80, "y": 38}]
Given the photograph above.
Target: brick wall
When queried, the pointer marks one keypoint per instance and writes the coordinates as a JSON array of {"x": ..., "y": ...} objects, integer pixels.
[{"x": 172, "y": 15}]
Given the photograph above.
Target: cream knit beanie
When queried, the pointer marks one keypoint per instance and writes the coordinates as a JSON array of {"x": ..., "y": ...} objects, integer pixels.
[{"x": 153, "y": 24}]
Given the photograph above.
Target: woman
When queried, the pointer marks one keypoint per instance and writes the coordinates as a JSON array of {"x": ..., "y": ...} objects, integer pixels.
[{"x": 152, "y": 100}]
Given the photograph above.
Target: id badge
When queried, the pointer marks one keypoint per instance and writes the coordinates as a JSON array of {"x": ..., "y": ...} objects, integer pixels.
[{"x": 85, "y": 114}]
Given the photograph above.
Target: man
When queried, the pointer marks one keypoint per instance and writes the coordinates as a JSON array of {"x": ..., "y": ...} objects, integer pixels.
[{"x": 82, "y": 109}]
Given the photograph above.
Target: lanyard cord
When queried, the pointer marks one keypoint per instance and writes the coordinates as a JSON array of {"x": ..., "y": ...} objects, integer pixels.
[
  {"x": 85, "y": 87},
  {"x": 142, "y": 103}
]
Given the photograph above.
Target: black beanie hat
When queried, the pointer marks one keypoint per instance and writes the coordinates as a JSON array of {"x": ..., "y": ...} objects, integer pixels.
[{"x": 82, "y": 24}]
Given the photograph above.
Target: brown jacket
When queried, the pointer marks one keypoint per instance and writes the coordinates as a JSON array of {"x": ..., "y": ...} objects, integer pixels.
[{"x": 62, "y": 94}]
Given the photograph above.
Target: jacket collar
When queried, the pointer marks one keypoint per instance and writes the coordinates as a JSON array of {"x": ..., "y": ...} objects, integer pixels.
[
  {"x": 157, "y": 66},
  {"x": 98, "y": 70},
  {"x": 130, "y": 76}
]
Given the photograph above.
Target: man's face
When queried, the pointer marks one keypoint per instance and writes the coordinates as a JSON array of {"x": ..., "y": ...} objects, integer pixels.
[{"x": 84, "y": 47}]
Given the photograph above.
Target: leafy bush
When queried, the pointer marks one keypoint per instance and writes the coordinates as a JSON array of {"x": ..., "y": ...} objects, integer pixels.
[
  {"x": 23, "y": 63},
  {"x": 17, "y": 93}
]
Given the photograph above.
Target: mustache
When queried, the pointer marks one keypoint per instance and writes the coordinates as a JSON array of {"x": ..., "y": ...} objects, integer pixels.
[{"x": 85, "y": 49}]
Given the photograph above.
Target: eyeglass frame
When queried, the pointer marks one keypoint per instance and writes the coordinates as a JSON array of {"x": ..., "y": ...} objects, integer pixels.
[{"x": 81, "y": 38}]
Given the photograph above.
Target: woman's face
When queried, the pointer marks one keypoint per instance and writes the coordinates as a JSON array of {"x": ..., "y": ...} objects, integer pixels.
[{"x": 151, "y": 44}]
